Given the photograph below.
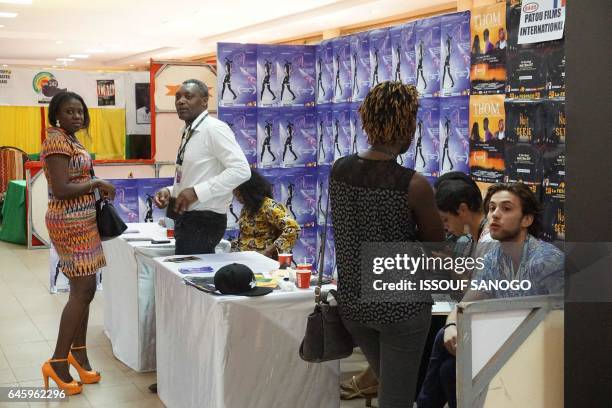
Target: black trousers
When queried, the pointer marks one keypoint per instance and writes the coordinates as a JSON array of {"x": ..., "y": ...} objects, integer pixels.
[{"x": 199, "y": 232}]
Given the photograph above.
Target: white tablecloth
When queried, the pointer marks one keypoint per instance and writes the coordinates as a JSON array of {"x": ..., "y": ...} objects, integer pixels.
[{"x": 235, "y": 352}]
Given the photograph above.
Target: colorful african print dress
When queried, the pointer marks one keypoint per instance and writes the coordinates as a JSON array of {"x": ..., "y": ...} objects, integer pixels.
[{"x": 72, "y": 222}]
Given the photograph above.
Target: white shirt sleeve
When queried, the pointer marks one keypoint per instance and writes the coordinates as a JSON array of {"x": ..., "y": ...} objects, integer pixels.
[{"x": 230, "y": 155}]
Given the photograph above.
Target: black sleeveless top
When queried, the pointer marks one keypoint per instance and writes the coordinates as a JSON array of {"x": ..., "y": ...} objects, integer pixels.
[{"x": 369, "y": 203}]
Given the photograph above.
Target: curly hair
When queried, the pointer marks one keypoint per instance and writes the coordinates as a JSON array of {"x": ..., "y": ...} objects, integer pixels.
[
  {"x": 529, "y": 203},
  {"x": 388, "y": 113},
  {"x": 57, "y": 101},
  {"x": 254, "y": 191}
]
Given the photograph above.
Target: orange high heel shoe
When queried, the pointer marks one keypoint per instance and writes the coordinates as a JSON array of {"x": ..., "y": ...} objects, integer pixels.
[
  {"x": 71, "y": 388},
  {"x": 86, "y": 376}
]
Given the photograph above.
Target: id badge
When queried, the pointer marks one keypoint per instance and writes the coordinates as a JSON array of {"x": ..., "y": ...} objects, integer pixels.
[{"x": 179, "y": 174}]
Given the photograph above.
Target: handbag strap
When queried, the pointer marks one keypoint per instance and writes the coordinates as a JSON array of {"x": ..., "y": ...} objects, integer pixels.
[{"x": 324, "y": 245}]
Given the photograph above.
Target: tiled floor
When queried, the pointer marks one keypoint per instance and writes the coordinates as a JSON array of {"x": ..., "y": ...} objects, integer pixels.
[{"x": 29, "y": 318}]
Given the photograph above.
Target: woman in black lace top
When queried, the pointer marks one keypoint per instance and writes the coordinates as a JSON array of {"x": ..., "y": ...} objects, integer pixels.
[{"x": 374, "y": 199}]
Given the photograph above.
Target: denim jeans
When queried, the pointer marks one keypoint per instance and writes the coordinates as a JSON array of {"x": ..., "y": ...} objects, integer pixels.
[
  {"x": 394, "y": 352},
  {"x": 439, "y": 386},
  {"x": 199, "y": 232}
]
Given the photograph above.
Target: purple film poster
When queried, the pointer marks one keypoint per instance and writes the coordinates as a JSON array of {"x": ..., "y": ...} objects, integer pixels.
[
  {"x": 322, "y": 190},
  {"x": 268, "y": 138},
  {"x": 272, "y": 175},
  {"x": 329, "y": 265},
  {"x": 298, "y": 137},
  {"x": 427, "y": 53},
  {"x": 126, "y": 199},
  {"x": 147, "y": 210},
  {"x": 427, "y": 137},
  {"x": 237, "y": 75},
  {"x": 454, "y": 134},
  {"x": 298, "y": 192},
  {"x": 342, "y": 74},
  {"x": 233, "y": 214},
  {"x": 359, "y": 139},
  {"x": 268, "y": 86},
  {"x": 305, "y": 248},
  {"x": 325, "y": 141},
  {"x": 295, "y": 75},
  {"x": 324, "y": 69},
  {"x": 455, "y": 54},
  {"x": 341, "y": 130},
  {"x": 243, "y": 121},
  {"x": 231, "y": 234},
  {"x": 381, "y": 55},
  {"x": 360, "y": 65},
  {"x": 403, "y": 61}
]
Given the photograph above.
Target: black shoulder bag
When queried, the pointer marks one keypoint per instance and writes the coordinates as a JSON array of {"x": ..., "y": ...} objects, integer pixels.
[
  {"x": 326, "y": 338},
  {"x": 110, "y": 225}
]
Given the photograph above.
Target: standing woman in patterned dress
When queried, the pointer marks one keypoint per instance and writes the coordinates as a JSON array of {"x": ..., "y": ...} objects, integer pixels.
[
  {"x": 375, "y": 200},
  {"x": 71, "y": 221}
]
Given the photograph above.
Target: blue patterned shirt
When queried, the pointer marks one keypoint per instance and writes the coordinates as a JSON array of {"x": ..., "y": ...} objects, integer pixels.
[{"x": 542, "y": 264}]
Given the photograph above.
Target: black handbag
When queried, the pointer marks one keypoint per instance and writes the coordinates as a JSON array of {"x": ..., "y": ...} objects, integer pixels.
[
  {"x": 326, "y": 338},
  {"x": 110, "y": 225}
]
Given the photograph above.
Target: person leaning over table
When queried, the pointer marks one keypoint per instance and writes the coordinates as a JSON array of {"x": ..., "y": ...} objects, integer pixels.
[
  {"x": 209, "y": 165},
  {"x": 265, "y": 225}
]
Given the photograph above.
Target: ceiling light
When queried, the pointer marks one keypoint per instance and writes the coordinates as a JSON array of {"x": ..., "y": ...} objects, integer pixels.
[
  {"x": 7, "y": 15},
  {"x": 79, "y": 56},
  {"x": 54, "y": 66},
  {"x": 131, "y": 65},
  {"x": 16, "y": 1},
  {"x": 65, "y": 59},
  {"x": 4, "y": 65},
  {"x": 94, "y": 50},
  {"x": 1, "y": 25},
  {"x": 375, "y": 11},
  {"x": 58, "y": 42}
]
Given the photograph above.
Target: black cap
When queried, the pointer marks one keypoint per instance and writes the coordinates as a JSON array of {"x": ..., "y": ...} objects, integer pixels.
[{"x": 238, "y": 279}]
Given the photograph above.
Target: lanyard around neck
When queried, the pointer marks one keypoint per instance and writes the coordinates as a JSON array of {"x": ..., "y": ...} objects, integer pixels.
[{"x": 187, "y": 133}]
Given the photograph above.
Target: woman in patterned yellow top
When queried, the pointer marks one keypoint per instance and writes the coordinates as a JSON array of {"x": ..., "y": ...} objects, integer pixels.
[
  {"x": 71, "y": 222},
  {"x": 265, "y": 225}
]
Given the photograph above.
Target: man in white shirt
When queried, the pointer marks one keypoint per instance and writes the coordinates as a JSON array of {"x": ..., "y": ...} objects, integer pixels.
[{"x": 209, "y": 165}]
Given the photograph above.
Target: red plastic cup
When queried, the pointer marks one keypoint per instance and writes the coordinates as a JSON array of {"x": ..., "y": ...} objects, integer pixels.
[
  {"x": 284, "y": 260},
  {"x": 305, "y": 266},
  {"x": 303, "y": 278}
]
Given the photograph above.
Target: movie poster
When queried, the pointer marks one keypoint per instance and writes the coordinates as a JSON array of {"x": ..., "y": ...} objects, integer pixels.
[
  {"x": 554, "y": 131},
  {"x": 243, "y": 122},
  {"x": 403, "y": 57},
  {"x": 236, "y": 75},
  {"x": 455, "y": 54},
  {"x": 231, "y": 234},
  {"x": 488, "y": 50},
  {"x": 523, "y": 165},
  {"x": 126, "y": 198},
  {"x": 360, "y": 65},
  {"x": 268, "y": 138},
  {"x": 525, "y": 122},
  {"x": 553, "y": 220},
  {"x": 427, "y": 53},
  {"x": 454, "y": 134},
  {"x": 106, "y": 92},
  {"x": 325, "y": 141},
  {"x": 342, "y": 74},
  {"x": 381, "y": 56},
  {"x": 322, "y": 191},
  {"x": 359, "y": 139},
  {"x": 147, "y": 210},
  {"x": 324, "y": 69},
  {"x": 305, "y": 248},
  {"x": 268, "y": 87},
  {"x": 341, "y": 130},
  {"x": 298, "y": 192},
  {"x": 233, "y": 214},
  {"x": 526, "y": 69},
  {"x": 329, "y": 265},
  {"x": 298, "y": 137},
  {"x": 487, "y": 138},
  {"x": 555, "y": 69},
  {"x": 295, "y": 72},
  {"x": 273, "y": 175},
  {"x": 427, "y": 138}
]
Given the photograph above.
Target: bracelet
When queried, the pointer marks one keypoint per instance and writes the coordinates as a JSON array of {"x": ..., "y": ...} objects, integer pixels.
[{"x": 449, "y": 324}]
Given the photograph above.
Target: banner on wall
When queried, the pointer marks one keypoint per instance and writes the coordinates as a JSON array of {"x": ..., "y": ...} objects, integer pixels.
[
  {"x": 237, "y": 74},
  {"x": 555, "y": 69},
  {"x": 403, "y": 61},
  {"x": 360, "y": 65},
  {"x": 298, "y": 192},
  {"x": 296, "y": 75},
  {"x": 488, "y": 50},
  {"x": 267, "y": 78},
  {"x": 526, "y": 73},
  {"x": 138, "y": 103},
  {"x": 324, "y": 69},
  {"x": 427, "y": 138},
  {"x": 381, "y": 56},
  {"x": 455, "y": 54},
  {"x": 359, "y": 137},
  {"x": 268, "y": 138},
  {"x": 541, "y": 20},
  {"x": 341, "y": 130},
  {"x": 454, "y": 134},
  {"x": 243, "y": 122},
  {"x": 342, "y": 74},
  {"x": 30, "y": 87},
  {"x": 170, "y": 76},
  {"x": 486, "y": 141},
  {"x": 427, "y": 53},
  {"x": 297, "y": 130},
  {"x": 325, "y": 140}
]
